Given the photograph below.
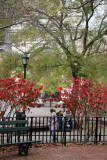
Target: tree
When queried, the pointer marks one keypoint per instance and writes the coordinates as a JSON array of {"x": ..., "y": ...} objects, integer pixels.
[
  {"x": 83, "y": 96},
  {"x": 49, "y": 70},
  {"x": 17, "y": 93},
  {"x": 64, "y": 24},
  {"x": 85, "y": 99},
  {"x": 69, "y": 24}
]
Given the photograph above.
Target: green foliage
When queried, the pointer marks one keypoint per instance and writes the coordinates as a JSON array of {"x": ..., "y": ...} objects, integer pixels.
[
  {"x": 3, "y": 22},
  {"x": 2, "y": 37},
  {"x": 95, "y": 66},
  {"x": 54, "y": 34},
  {"x": 10, "y": 64},
  {"x": 49, "y": 69},
  {"x": 27, "y": 33}
]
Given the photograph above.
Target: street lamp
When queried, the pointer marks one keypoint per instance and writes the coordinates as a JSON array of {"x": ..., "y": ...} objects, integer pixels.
[{"x": 25, "y": 60}]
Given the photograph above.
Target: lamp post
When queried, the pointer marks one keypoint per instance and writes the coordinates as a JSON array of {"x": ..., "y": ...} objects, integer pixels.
[{"x": 25, "y": 60}]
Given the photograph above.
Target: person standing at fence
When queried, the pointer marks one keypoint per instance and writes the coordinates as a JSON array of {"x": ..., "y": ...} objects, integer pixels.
[
  {"x": 53, "y": 125},
  {"x": 72, "y": 120},
  {"x": 60, "y": 120}
]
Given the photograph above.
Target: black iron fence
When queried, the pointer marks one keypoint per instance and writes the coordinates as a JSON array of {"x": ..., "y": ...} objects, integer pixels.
[{"x": 68, "y": 130}]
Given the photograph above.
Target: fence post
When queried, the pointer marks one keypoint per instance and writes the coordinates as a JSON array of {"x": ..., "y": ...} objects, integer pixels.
[
  {"x": 100, "y": 137},
  {"x": 31, "y": 128},
  {"x": 96, "y": 131},
  {"x": 65, "y": 131}
]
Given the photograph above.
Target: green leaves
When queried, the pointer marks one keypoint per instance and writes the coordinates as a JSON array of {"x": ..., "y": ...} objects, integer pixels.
[
  {"x": 94, "y": 66},
  {"x": 49, "y": 69},
  {"x": 10, "y": 64}
]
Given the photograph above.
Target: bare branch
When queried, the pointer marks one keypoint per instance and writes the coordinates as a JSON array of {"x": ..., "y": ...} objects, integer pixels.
[
  {"x": 102, "y": 22},
  {"x": 78, "y": 7},
  {"x": 12, "y": 24},
  {"x": 75, "y": 38},
  {"x": 87, "y": 21},
  {"x": 94, "y": 40}
]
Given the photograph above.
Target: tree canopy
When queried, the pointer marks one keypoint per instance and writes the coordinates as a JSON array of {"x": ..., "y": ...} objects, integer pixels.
[
  {"x": 76, "y": 30},
  {"x": 17, "y": 94}
]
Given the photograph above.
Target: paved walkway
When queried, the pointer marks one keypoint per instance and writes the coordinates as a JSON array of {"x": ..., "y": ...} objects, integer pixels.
[{"x": 58, "y": 152}]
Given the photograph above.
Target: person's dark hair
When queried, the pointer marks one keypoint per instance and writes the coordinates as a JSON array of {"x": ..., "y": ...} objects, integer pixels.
[{"x": 52, "y": 110}]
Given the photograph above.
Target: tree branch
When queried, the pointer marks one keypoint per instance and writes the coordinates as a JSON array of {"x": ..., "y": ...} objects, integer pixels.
[
  {"x": 12, "y": 24},
  {"x": 94, "y": 40},
  {"x": 76, "y": 32},
  {"x": 87, "y": 22}
]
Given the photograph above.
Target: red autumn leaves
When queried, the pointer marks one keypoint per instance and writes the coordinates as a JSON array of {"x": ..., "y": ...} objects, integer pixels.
[
  {"x": 83, "y": 96},
  {"x": 18, "y": 92}
]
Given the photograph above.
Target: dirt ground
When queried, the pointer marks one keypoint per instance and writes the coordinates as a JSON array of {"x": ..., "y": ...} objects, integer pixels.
[{"x": 57, "y": 152}]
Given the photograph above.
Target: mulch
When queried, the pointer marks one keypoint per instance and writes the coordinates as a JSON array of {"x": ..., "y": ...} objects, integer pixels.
[{"x": 57, "y": 152}]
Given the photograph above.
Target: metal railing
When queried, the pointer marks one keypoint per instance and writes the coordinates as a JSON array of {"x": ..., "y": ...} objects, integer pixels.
[{"x": 69, "y": 129}]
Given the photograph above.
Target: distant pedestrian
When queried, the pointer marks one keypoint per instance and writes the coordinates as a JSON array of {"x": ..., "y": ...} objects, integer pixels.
[
  {"x": 60, "y": 120},
  {"x": 53, "y": 124},
  {"x": 70, "y": 120}
]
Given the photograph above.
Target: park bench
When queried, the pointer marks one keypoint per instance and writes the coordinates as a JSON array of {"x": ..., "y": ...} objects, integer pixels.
[{"x": 18, "y": 131}]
